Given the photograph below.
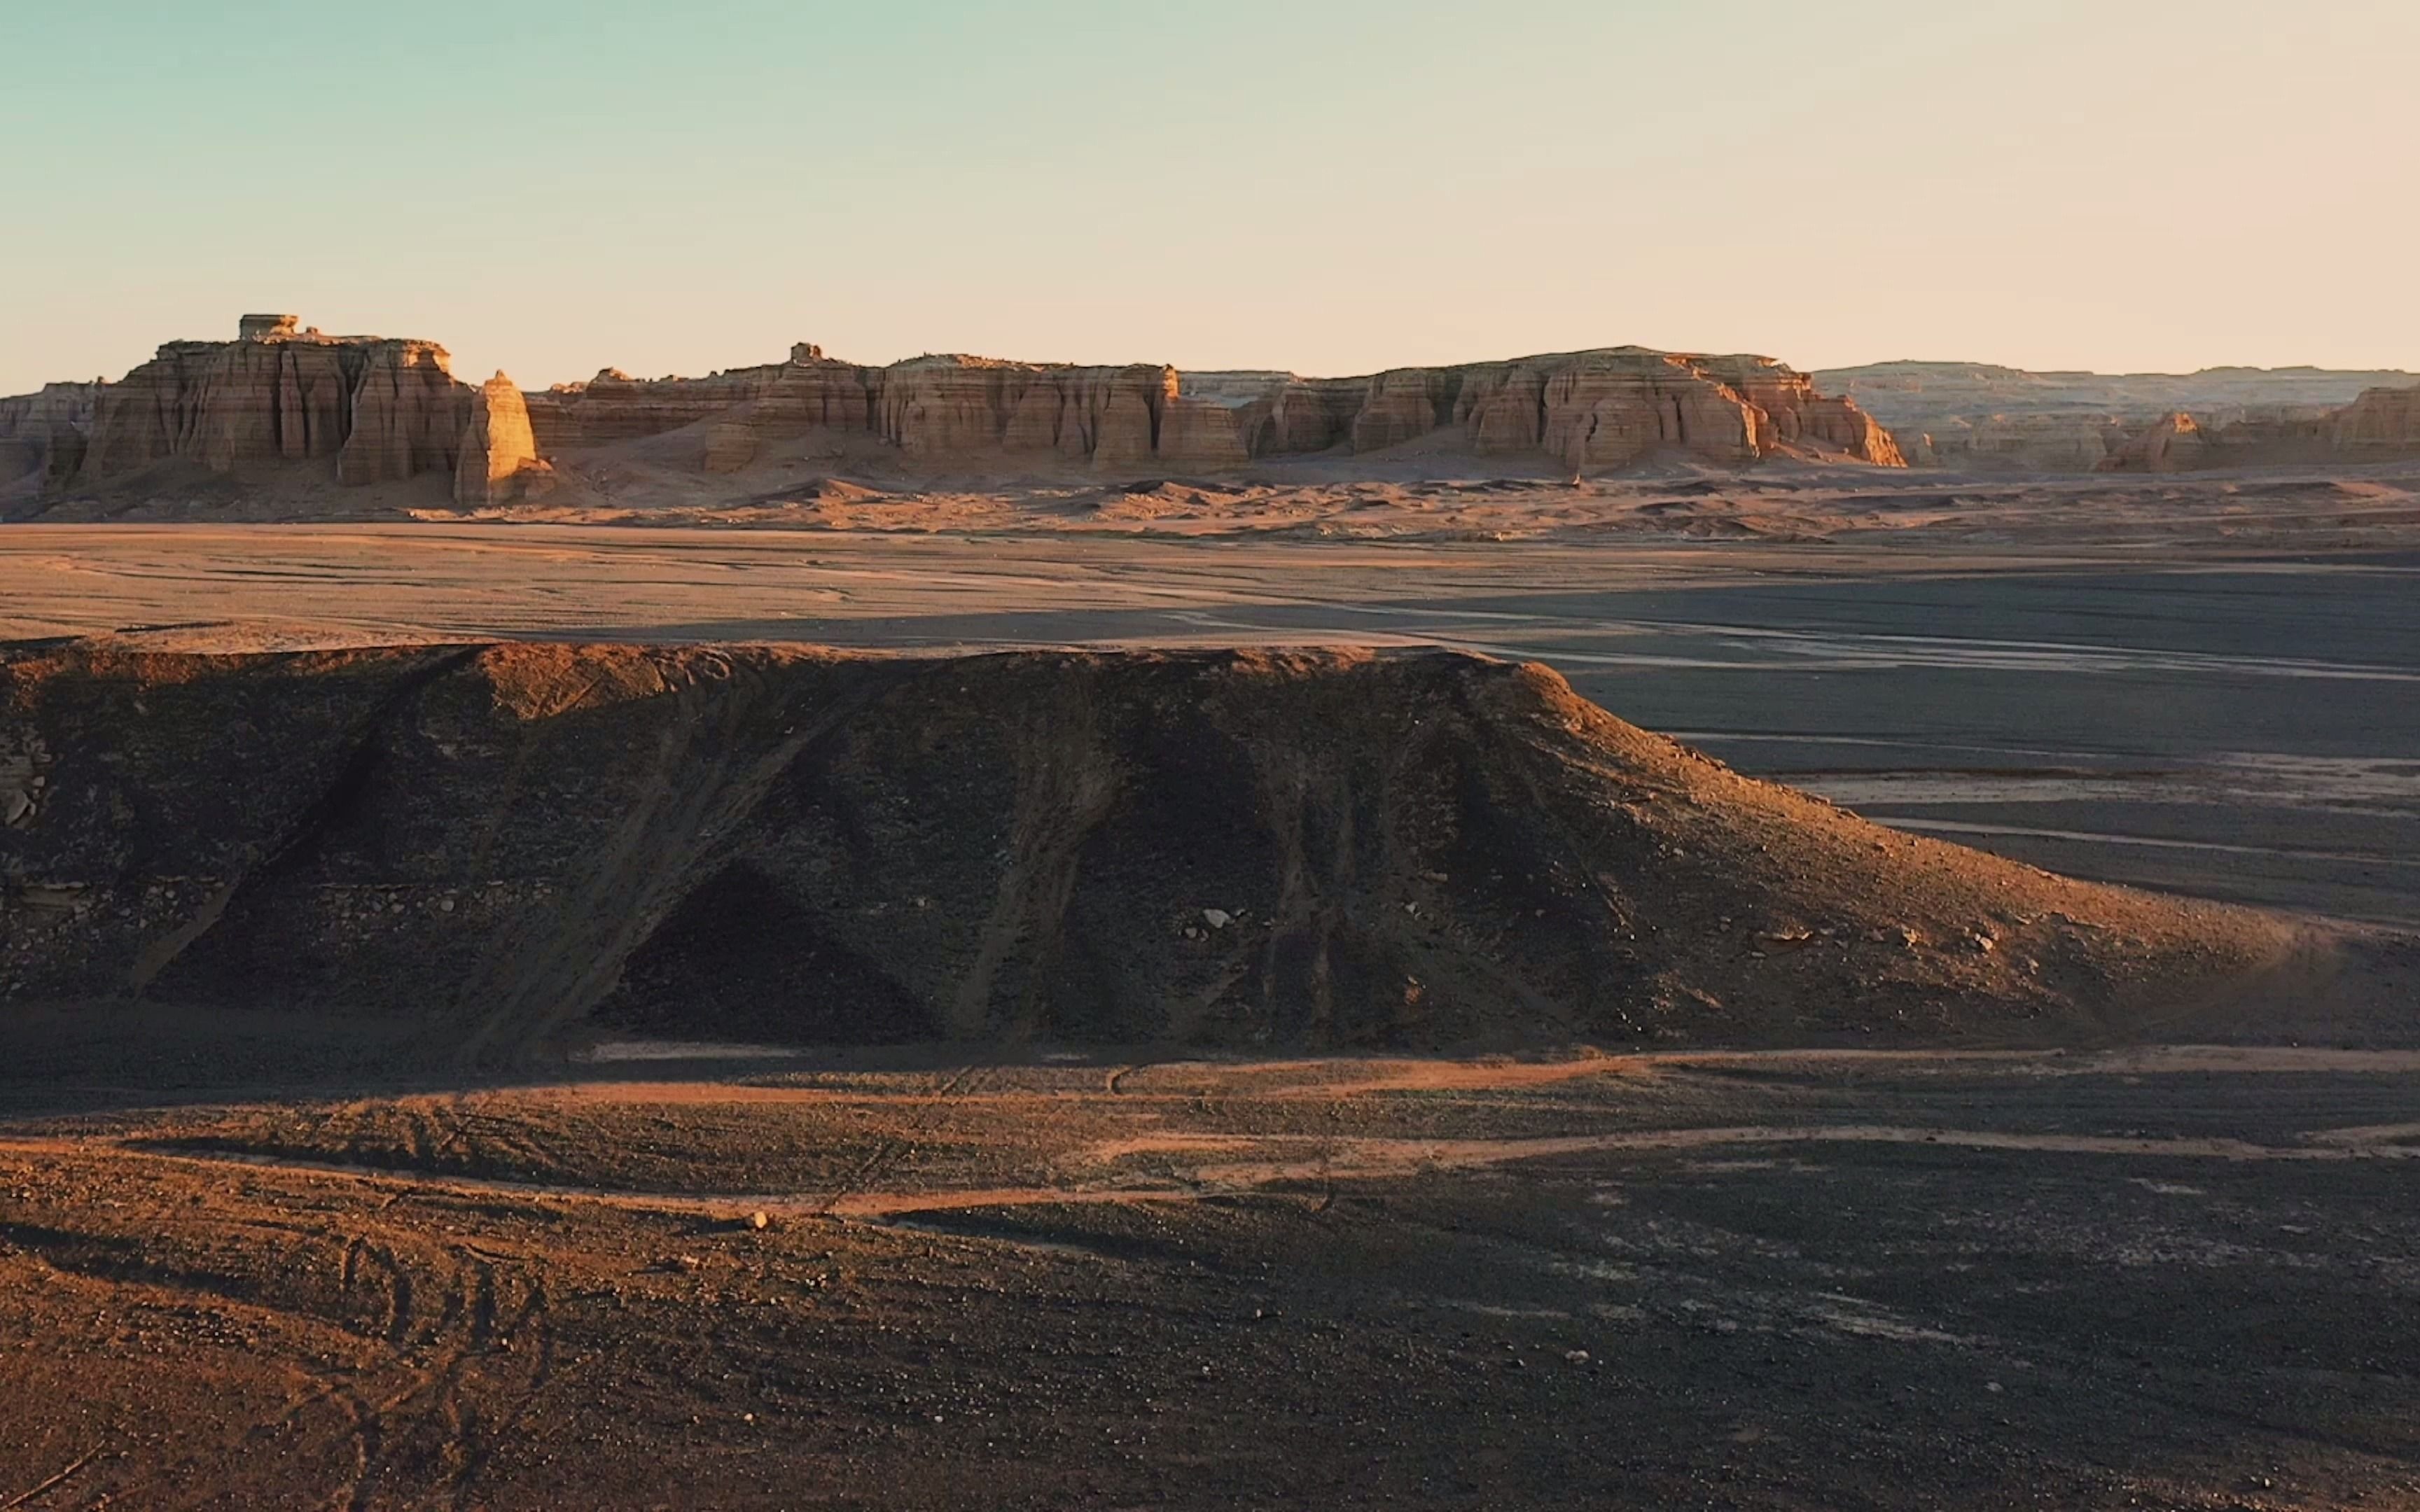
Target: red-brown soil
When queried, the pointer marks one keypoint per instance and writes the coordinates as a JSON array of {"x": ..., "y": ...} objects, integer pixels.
[{"x": 2171, "y": 1279}]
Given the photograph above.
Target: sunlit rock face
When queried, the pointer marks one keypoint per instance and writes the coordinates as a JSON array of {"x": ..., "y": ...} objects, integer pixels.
[
  {"x": 379, "y": 408},
  {"x": 1241, "y": 849},
  {"x": 373, "y": 409},
  {"x": 498, "y": 459},
  {"x": 2381, "y": 421},
  {"x": 957, "y": 414}
]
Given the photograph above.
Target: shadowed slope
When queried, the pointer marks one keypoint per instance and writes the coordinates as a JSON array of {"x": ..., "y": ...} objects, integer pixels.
[{"x": 1320, "y": 849}]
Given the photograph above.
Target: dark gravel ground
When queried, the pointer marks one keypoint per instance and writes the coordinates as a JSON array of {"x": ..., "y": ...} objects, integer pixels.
[{"x": 2133, "y": 1279}]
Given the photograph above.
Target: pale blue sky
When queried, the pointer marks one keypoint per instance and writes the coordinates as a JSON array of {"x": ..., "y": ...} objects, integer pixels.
[{"x": 551, "y": 186}]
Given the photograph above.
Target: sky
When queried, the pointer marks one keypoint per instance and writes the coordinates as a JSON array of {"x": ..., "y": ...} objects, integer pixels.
[{"x": 551, "y": 187}]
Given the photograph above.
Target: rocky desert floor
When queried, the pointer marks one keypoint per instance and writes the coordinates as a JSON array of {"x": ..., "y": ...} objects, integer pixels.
[
  {"x": 666, "y": 1274},
  {"x": 1422, "y": 492},
  {"x": 2170, "y": 1278},
  {"x": 2221, "y": 717}
]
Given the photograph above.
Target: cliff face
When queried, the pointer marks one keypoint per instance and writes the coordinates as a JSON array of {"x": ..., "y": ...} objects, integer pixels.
[
  {"x": 2016, "y": 443},
  {"x": 43, "y": 435},
  {"x": 783, "y": 844},
  {"x": 945, "y": 412},
  {"x": 1979, "y": 418},
  {"x": 383, "y": 411},
  {"x": 2381, "y": 426},
  {"x": 407, "y": 415},
  {"x": 379, "y": 409},
  {"x": 1578, "y": 410},
  {"x": 499, "y": 456},
  {"x": 2383, "y": 422}
]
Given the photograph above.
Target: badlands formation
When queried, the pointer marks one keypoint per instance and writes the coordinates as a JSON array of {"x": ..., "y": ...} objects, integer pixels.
[
  {"x": 286, "y": 424},
  {"x": 367, "y": 411},
  {"x": 364, "y": 409},
  {"x": 524, "y": 1068},
  {"x": 492, "y": 846},
  {"x": 1980, "y": 418}
]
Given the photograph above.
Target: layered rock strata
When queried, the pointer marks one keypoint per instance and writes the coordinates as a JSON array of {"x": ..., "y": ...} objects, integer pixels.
[
  {"x": 2381, "y": 426},
  {"x": 375, "y": 410},
  {"x": 407, "y": 415},
  {"x": 1579, "y": 411},
  {"x": 1980, "y": 418},
  {"x": 2382, "y": 421},
  {"x": 43, "y": 435},
  {"x": 1285, "y": 849},
  {"x": 383, "y": 411},
  {"x": 498, "y": 461}
]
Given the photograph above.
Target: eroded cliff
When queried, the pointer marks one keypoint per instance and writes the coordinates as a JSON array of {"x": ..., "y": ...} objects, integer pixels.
[
  {"x": 1972, "y": 417},
  {"x": 378, "y": 410},
  {"x": 43, "y": 435},
  {"x": 499, "y": 843},
  {"x": 1575, "y": 410}
]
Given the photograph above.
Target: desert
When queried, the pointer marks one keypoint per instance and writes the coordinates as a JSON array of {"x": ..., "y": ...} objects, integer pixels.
[
  {"x": 1056, "y": 756},
  {"x": 948, "y": 992}
]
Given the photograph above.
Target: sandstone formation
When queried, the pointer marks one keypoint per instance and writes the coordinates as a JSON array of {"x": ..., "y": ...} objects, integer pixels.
[
  {"x": 2384, "y": 422},
  {"x": 376, "y": 410},
  {"x": 731, "y": 443},
  {"x": 1577, "y": 411},
  {"x": 43, "y": 435},
  {"x": 1974, "y": 417},
  {"x": 379, "y": 411},
  {"x": 1251, "y": 850},
  {"x": 407, "y": 415},
  {"x": 2015, "y": 443},
  {"x": 2381, "y": 426},
  {"x": 385, "y": 411},
  {"x": 499, "y": 458},
  {"x": 2168, "y": 444}
]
